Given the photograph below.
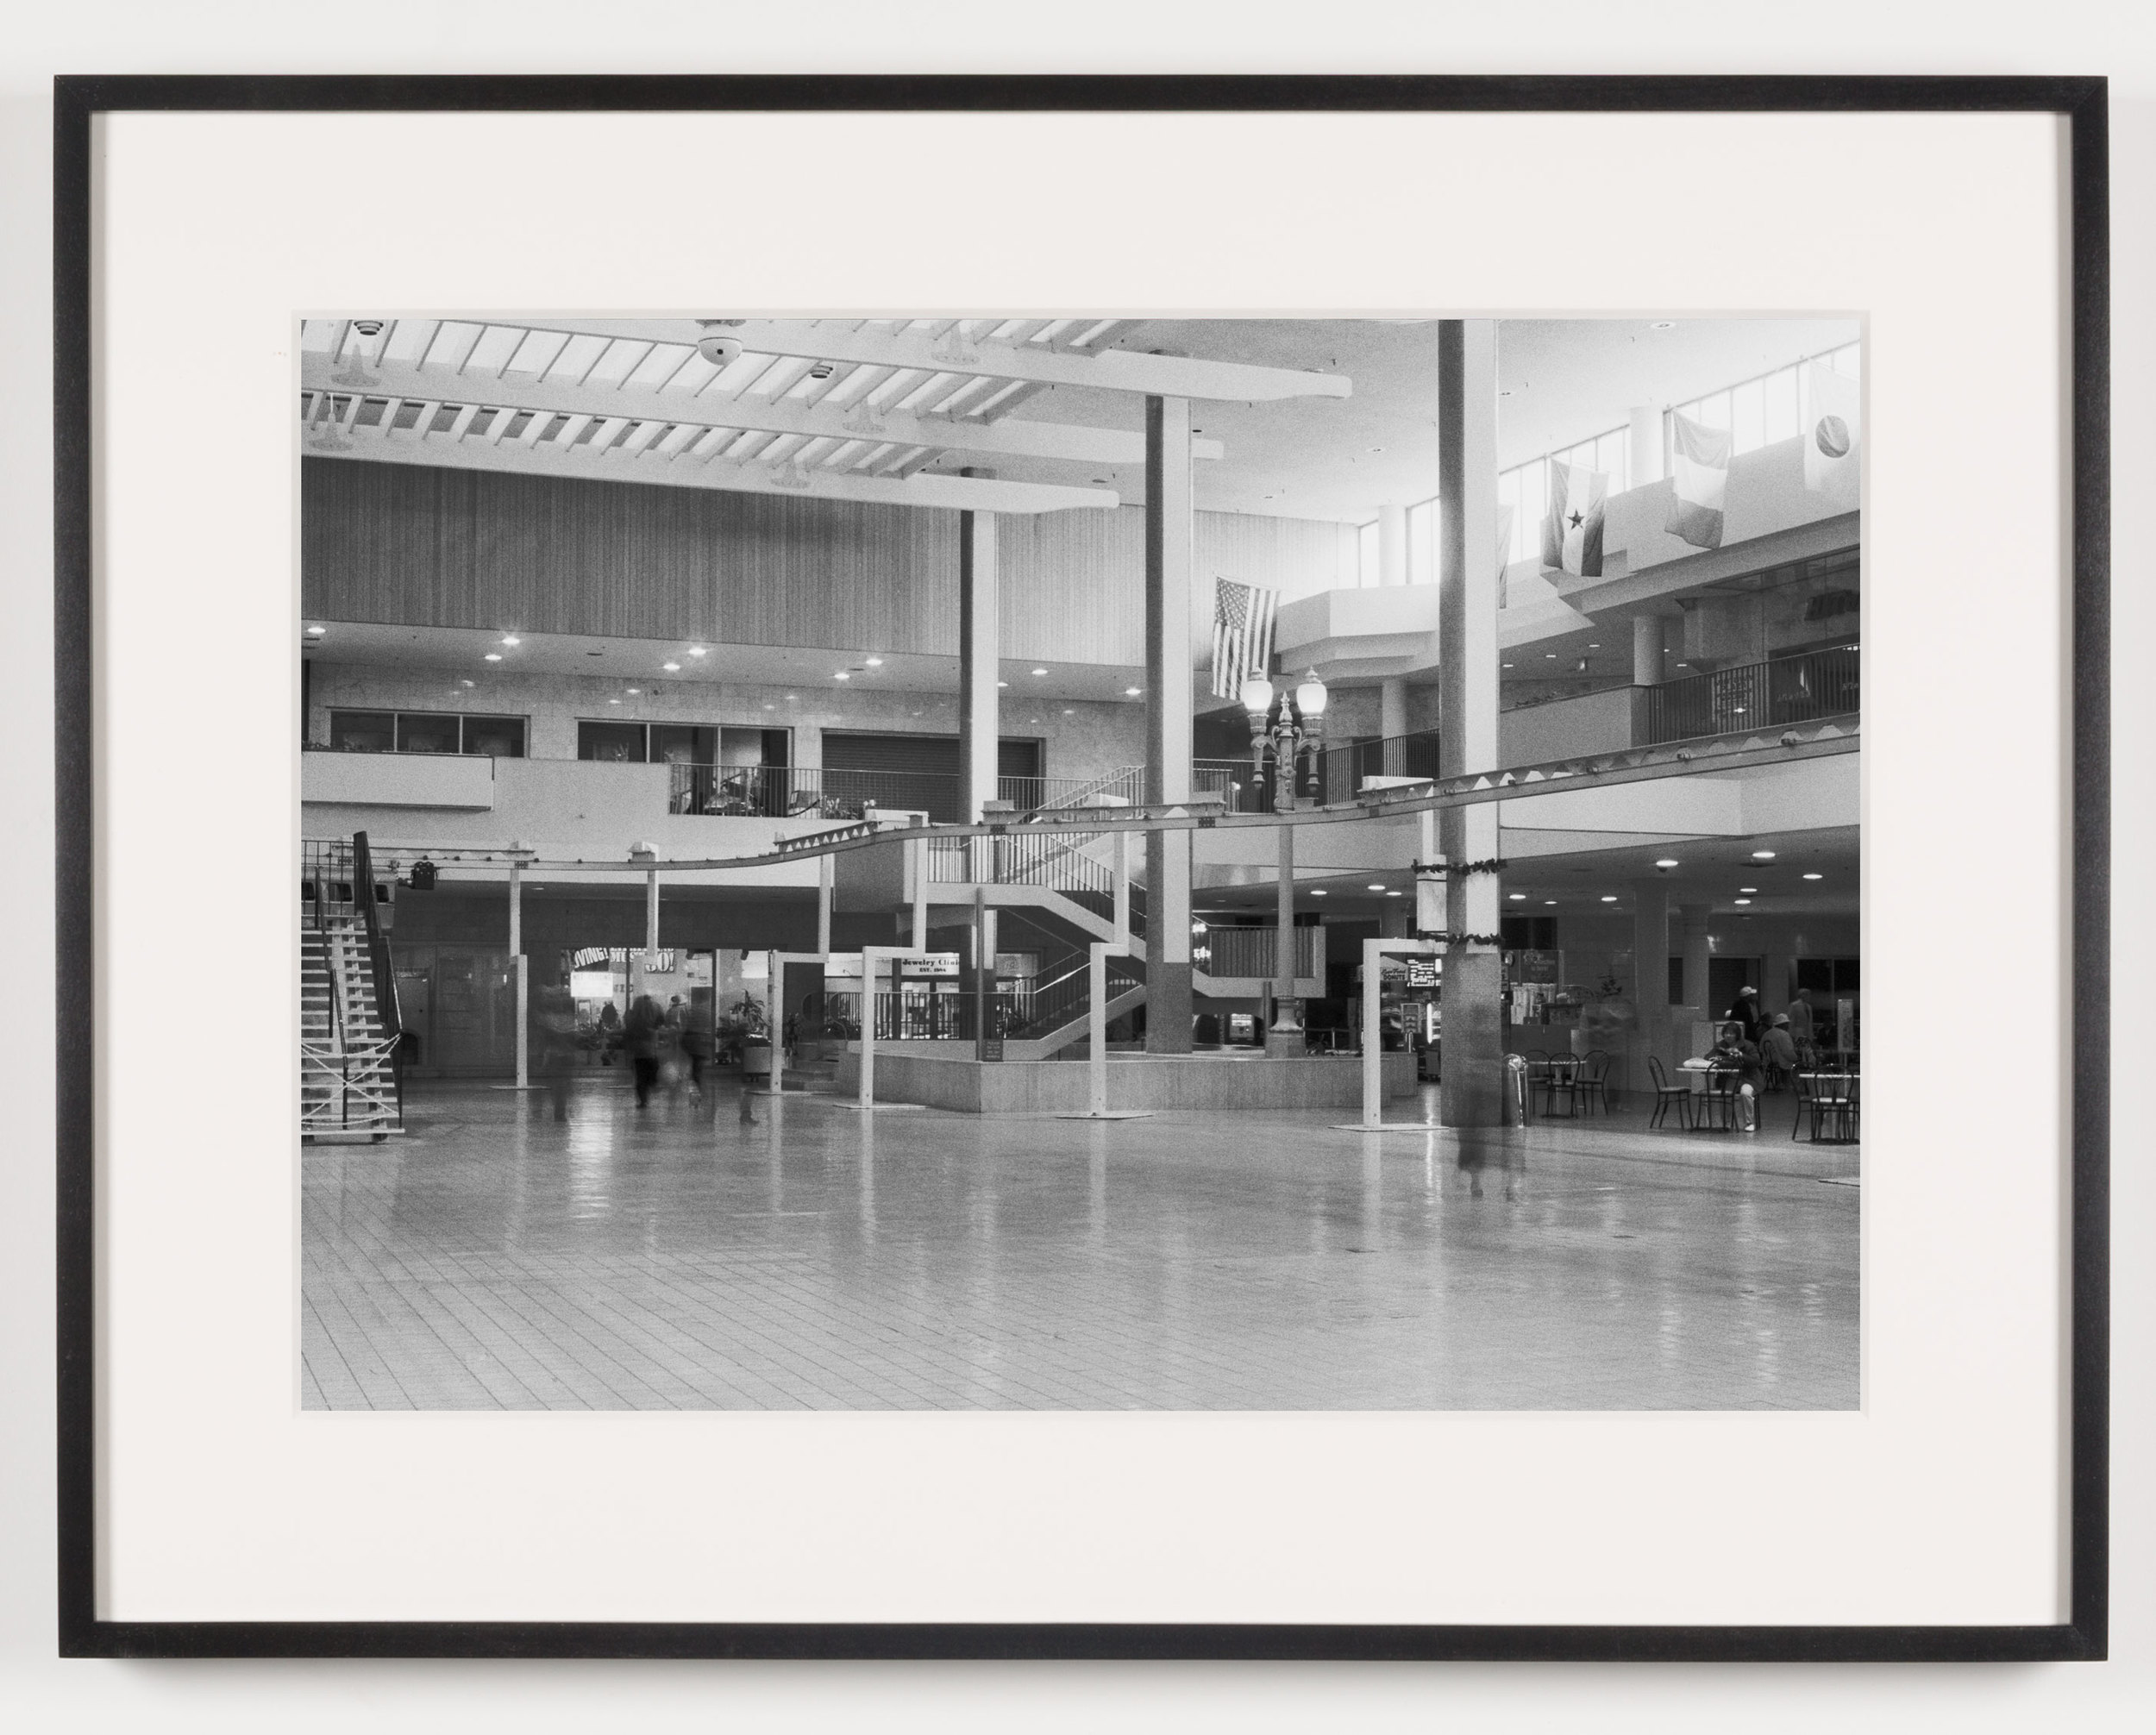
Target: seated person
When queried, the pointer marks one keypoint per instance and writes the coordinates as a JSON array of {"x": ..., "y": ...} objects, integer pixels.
[
  {"x": 1734, "y": 1053},
  {"x": 1778, "y": 1047}
]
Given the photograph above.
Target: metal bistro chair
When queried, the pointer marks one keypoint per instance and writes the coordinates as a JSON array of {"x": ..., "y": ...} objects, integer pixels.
[
  {"x": 1592, "y": 1083},
  {"x": 1831, "y": 1101},
  {"x": 1668, "y": 1095},
  {"x": 1717, "y": 1103},
  {"x": 1561, "y": 1077}
]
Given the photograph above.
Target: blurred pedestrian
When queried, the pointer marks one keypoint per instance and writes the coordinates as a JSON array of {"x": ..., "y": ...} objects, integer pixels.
[{"x": 642, "y": 1031}]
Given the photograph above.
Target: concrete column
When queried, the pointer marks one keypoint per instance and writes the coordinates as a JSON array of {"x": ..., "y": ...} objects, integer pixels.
[
  {"x": 1168, "y": 563},
  {"x": 825, "y": 865},
  {"x": 1692, "y": 918},
  {"x": 1473, "y": 1060},
  {"x": 1646, "y": 650},
  {"x": 1392, "y": 720},
  {"x": 979, "y": 660},
  {"x": 1430, "y": 891},
  {"x": 1651, "y": 980},
  {"x": 651, "y": 910},
  {"x": 1646, "y": 444},
  {"x": 1392, "y": 545},
  {"x": 524, "y": 974}
]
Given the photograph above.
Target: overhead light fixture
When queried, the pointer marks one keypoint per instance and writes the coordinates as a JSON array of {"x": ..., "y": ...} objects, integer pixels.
[
  {"x": 671, "y": 667},
  {"x": 1667, "y": 861},
  {"x": 1377, "y": 885},
  {"x": 1747, "y": 888},
  {"x": 1318, "y": 892},
  {"x": 1395, "y": 894},
  {"x": 316, "y": 632},
  {"x": 634, "y": 691},
  {"x": 1003, "y": 683},
  {"x": 696, "y": 650},
  {"x": 467, "y": 682},
  {"x": 493, "y": 656},
  {"x": 874, "y": 662},
  {"x": 510, "y": 639},
  {"x": 1517, "y": 896},
  {"x": 1593, "y": 645},
  {"x": 842, "y": 674},
  {"x": 1815, "y": 876},
  {"x": 1763, "y": 856},
  {"x": 1131, "y": 692},
  {"x": 1068, "y": 712},
  {"x": 1741, "y": 900},
  {"x": 1610, "y": 897},
  {"x": 1040, "y": 671},
  {"x": 1549, "y": 903},
  {"x": 613, "y": 701}
]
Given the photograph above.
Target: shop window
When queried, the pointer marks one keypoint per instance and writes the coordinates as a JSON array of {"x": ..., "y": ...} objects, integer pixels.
[
  {"x": 496, "y": 737},
  {"x": 622, "y": 743},
  {"x": 420, "y": 732}
]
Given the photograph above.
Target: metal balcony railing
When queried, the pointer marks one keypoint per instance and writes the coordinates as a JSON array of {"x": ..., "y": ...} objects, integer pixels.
[
  {"x": 1327, "y": 778},
  {"x": 1250, "y": 951},
  {"x": 1804, "y": 688},
  {"x": 779, "y": 792}
]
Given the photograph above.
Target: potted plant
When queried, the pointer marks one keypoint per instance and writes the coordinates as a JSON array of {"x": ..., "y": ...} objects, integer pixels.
[{"x": 747, "y": 1017}]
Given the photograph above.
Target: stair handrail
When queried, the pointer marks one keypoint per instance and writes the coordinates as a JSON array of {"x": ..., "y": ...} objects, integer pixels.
[{"x": 378, "y": 958}]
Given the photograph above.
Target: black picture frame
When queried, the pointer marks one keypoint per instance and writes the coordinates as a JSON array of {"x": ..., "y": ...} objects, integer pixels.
[{"x": 2081, "y": 102}]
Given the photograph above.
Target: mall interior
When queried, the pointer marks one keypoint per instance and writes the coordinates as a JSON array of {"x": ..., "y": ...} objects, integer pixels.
[{"x": 1079, "y": 862}]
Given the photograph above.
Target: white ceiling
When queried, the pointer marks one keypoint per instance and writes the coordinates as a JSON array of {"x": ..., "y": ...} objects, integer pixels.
[{"x": 1344, "y": 459}]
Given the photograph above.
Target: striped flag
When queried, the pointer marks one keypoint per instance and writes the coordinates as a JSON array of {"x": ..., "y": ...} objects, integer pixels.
[
  {"x": 1242, "y": 634},
  {"x": 1700, "y": 479}
]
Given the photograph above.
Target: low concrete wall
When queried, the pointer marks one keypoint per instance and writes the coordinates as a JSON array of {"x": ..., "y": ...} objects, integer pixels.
[{"x": 1151, "y": 1081}]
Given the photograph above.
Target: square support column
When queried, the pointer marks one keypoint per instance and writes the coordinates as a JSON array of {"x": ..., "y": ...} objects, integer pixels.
[
  {"x": 1651, "y": 980},
  {"x": 1472, "y": 1093},
  {"x": 979, "y": 660},
  {"x": 1168, "y": 601},
  {"x": 1692, "y": 918}
]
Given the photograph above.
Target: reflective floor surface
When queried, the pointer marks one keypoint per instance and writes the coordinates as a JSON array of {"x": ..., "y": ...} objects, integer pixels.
[{"x": 684, "y": 1257}]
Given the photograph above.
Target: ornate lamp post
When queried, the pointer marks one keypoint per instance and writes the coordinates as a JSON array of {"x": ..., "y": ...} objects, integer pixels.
[{"x": 1294, "y": 729}]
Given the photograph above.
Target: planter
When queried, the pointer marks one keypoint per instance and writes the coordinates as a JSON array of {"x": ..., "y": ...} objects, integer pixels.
[{"x": 756, "y": 1058}]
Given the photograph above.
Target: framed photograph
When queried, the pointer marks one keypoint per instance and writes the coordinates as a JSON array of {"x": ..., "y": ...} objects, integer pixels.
[{"x": 1084, "y": 868}]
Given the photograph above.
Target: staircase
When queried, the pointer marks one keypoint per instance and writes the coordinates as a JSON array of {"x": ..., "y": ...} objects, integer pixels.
[{"x": 348, "y": 1086}]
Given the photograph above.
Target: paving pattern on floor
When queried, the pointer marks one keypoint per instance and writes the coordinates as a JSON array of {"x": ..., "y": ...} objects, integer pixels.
[{"x": 683, "y": 1257}]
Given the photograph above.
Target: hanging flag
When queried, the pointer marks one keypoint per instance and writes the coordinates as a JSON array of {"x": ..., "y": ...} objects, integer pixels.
[
  {"x": 1572, "y": 533},
  {"x": 1242, "y": 634},
  {"x": 1834, "y": 437},
  {"x": 1701, "y": 472}
]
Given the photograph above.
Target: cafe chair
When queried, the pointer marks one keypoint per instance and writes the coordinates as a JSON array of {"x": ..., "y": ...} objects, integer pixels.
[
  {"x": 1562, "y": 1077},
  {"x": 1668, "y": 1096},
  {"x": 1593, "y": 1083}
]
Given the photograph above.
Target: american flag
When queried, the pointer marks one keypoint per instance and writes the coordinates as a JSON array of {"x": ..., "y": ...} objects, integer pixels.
[{"x": 1242, "y": 634}]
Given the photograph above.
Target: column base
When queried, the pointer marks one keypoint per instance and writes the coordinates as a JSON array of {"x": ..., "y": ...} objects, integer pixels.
[
  {"x": 1168, "y": 1008},
  {"x": 1472, "y": 1090}
]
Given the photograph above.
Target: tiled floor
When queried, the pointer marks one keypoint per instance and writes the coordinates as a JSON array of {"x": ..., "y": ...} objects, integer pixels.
[{"x": 686, "y": 1258}]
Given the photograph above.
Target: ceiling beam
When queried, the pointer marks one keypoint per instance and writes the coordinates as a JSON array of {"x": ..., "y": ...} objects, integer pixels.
[
  {"x": 1112, "y": 370},
  {"x": 1055, "y": 440},
  {"x": 958, "y": 493}
]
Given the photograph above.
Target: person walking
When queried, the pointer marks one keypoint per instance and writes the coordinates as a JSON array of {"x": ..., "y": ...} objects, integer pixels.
[
  {"x": 609, "y": 1033},
  {"x": 641, "y": 1032},
  {"x": 697, "y": 1027},
  {"x": 554, "y": 1032},
  {"x": 1745, "y": 1010},
  {"x": 1801, "y": 1019}
]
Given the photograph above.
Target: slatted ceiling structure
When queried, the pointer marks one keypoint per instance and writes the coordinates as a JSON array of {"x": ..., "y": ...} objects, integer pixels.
[{"x": 460, "y": 358}]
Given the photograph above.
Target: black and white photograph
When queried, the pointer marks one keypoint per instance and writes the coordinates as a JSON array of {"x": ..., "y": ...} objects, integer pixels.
[{"x": 994, "y": 861}]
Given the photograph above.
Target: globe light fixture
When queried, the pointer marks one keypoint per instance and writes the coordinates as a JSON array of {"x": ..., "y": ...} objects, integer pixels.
[{"x": 1257, "y": 695}]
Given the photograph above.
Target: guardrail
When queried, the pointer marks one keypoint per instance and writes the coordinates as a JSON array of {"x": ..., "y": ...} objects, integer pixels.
[
  {"x": 1252, "y": 951},
  {"x": 1804, "y": 688},
  {"x": 782, "y": 791},
  {"x": 1326, "y": 779}
]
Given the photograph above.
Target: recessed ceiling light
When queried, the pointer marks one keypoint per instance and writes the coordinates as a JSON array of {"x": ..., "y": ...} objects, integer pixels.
[
  {"x": 613, "y": 701},
  {"x": 1508, "y": 664},
  {"x": 696, "y": 650},
  {"x": 1040, "y": 671},
  {"x": 771, "y": 707},
  {"x": 510, "y": 639},
  {"x": 1684, "y": 665},
  {"x": 1003, "y": 683},
  {"x": 842, "y": 674},
  {"x": 1815, "y": 876},
  {"x": 1395, "y": 894},
  {"x": 1517, "y": 896},
  {"x": 875, "y": 661},
  {"x": 1549, "y": 903},
  {"x": 1667, "y": 861},
  {"x": 1552, "y": 656},
  {"x": 316, "y": 632},
  {"x": 467, "y": 682},
  {"x": 1741, "y": 900},
  {"x": 493, "y": 656},
  {"x": 1610, "y": 898},
  {"x": 671, "y": 667},
  {"x": 1069, "y": 712},
  {"x": 1593, "y": 645},
  {"x": 634, "y": 691},
  {"x": 1747, "y": 888},
  {"x": 1377, "y": 885},
  {"x": 1318, "y": 892},
  {"x": 1763, "y": 856},
  {"x": 1130, "y": 692}
]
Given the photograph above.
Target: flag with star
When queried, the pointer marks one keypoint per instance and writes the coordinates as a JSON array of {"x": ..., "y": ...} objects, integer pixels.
[
  {"x": 1572, "y": 533},
  {"x": 1699, "y": 471},
  {"x": 1242, "y": 633}
]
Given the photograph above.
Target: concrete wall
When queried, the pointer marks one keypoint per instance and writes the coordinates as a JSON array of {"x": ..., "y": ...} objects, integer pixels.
[
  {"x": 1596, "y": 723},
  {"x": 398, "y": 780}
]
